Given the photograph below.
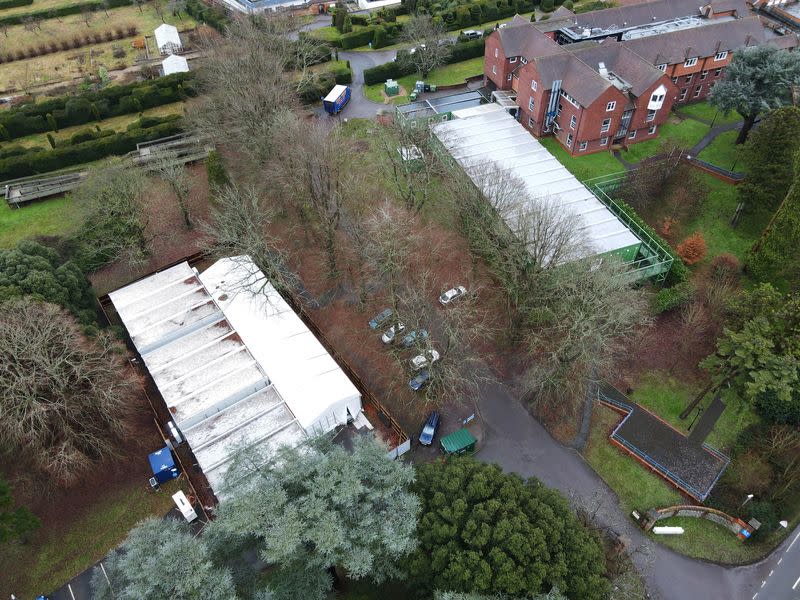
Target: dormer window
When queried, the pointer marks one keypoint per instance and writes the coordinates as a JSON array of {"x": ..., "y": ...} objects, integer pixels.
[
  {"x": 513, "y": 59},
  {"x": 690, "y": 62},
  {"x": 611, "y": 106},
  {"x": 662, "y": 67},
  {"x": 721, "y": 55},
  {"x": 534, "y": 85},
  {"x": 523, "y": 60}
]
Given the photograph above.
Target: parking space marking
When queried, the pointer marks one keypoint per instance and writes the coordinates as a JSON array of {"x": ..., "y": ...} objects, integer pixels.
[
  {"x": 792, "y": 544},
  {"x": 71, "y": 593},
  {"x": 795, "y": 583}
]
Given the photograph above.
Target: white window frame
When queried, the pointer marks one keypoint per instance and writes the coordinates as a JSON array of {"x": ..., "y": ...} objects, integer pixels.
[
  {"x": 605, "y": 125},
  {"x": 513, "y": 59},
  {"x": 531, "y": 104},
  {"x": 690, "y": 62},
  {"x": 718, "y": 72},
  {"x": 496, "y": 53},
  {"x": 569, "y": 140},
  {"x": 582, "y": 146},
  {"x": 703, "y": 75},
  {"x": 611, "y": 106},
  {"x": 682, "y": 97},
  {"x": 523, "y": 60},
  {"x": 510, "y": 77},
  {"x": 534, "y": 85},
  {"x": 651, "y": 115},
  {"x": 652, "y": 130},
  {"x": 721, "y": 55},
  {"x": 675, "y": 80},
  {"x": 573, "y": 121},
  {"x": 662, "y": 67},
  {"x": 570, "y": 99},
  {"x": 632, "y": 135},
  {"x": 604, "y": 141},
  {"x": 657, "y": 98},
  {"x": 697, "y": 91},
  {"x": 689, "y": 77},
  {"x": 531, "y": 124},
  {"x": 494, "y": 69}
]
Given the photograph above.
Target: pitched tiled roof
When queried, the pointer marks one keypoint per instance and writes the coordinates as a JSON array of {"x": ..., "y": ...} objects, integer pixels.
[
  {"x": 677, "y": 46},
  {"x": 639, "y": 14},
  {"x": 522, "y": 39},
  {"x": 623, "y": 63},
  {"x": 562, "y": 12}
]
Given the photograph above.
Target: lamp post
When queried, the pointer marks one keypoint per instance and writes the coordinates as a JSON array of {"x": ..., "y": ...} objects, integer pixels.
[{"x": 749, "y": 497}]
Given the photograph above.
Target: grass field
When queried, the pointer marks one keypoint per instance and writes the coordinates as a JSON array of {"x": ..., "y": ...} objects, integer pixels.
[
  {"x": 713, "y": 220},
  {"x": 703, "y": 110},
  {"x": 685, "y": 133},
  {"x": 35, "y": 7},
  {"x": 67, "y": 64},
  {"x": 55, "y": 216},
  {"x": 55, "y": 556},
  {"x": 115, "y": 123},
  {"x": 722, "y": 151},
  {"x": 667, "y": 397},
  {"x": 447, "y": 75},
  {"x": 583, "y": 167}
]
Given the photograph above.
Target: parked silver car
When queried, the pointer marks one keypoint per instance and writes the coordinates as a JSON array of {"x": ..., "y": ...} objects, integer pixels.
[
  {"x": 390, "y": 334},
  {"x": 423, "y": 360},
  {"x": 450, "y": 295}
]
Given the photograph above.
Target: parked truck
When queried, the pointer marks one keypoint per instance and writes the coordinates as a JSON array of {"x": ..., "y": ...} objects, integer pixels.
[{"x": 336, "y": 99}]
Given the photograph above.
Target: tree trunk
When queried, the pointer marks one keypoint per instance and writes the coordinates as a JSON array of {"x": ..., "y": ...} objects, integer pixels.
[
  {"x": 746, "y": 127},
  {"x": 697, "y": 399}
]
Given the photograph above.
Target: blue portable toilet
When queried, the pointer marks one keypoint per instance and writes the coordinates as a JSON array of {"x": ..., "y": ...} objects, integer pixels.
[{"x": 163, "y": 465}]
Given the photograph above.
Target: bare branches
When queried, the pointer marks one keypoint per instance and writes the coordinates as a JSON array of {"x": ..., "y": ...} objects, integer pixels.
[
  {"x": 431, "y": 44},
  {"x": 66, "y": 399},
  {"x": 172, "y": 170}
]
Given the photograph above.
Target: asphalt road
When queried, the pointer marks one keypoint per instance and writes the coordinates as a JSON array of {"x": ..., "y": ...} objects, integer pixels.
[{"x": 518, "y": 443}]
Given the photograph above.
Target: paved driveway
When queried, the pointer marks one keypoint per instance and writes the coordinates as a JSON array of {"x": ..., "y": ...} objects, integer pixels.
[{"x": 518, "y": 443}]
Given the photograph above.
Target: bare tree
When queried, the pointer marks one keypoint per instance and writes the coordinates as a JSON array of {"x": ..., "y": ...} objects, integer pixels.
[
  {"x": 410, "y": 164},
  {"x": 175, "y": 7},
  {"x": 87, "y": 15},
  {"x": 243, "y": 91},
  {"x": 115, "y": 221},
  {"x": 4, "y": 28},
  {"x": 318, "y": 171},
  {"x": 694, "y": 323},
  {"x": 66, "y": 399},
  {"x": 431, "y": 47},
  {"x": 239, "y": 226},
  {"x": 169, "y": 167}
]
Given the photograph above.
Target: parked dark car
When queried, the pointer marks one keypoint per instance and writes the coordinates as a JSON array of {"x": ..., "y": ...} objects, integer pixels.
[
  {"x": 380, "y": 318},
  {"x": 412, "y": 337},
  {"x": 421, "y": 379},
  {"x": 429, "y": 429}
]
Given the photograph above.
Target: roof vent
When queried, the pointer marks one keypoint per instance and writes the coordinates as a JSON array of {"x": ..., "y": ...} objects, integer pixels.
[{"x": 601, "y": 68}]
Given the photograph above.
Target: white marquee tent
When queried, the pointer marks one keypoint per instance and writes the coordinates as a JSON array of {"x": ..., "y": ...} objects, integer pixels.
[
  {"x": 168, "y": 39},
  {"x": 174, "y": 64},
  {"x": 234, "y": 363}
]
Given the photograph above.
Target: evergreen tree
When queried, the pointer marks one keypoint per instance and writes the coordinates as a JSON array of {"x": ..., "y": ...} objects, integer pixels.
[
  {"x": 768, "y": 157},
  {"x": 757, "y": 79},
  {"x": 776, "y": 255},
  {"x": 490, "y": 532},
  {"x": 312, "y": 508},
  {"x": 162, "y": 560}
]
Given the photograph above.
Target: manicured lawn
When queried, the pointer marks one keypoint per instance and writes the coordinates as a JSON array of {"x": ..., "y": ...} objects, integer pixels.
[
  {"x": 36, "y": 6},
  {"x": 722, "y": 151},
  {"x": 55, "y": 216},
  {"x": 447, "y": 75},
  {"x": 116, "y": 123},
  {"x": 583, "y": 167},
  {"x": 685, "y": 133},
  {"x": 667, "y": 396},
  {"x": 714, "y": 217},
  {"x": 55, "y": 556},
  {"x": 703, "y": 110},
  {"x": 330, "y": 33},
  {"x": 637, "y": 487}
]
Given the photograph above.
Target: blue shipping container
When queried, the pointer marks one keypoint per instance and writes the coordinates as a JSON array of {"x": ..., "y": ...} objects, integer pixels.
[{"x": 336, "y": 99}]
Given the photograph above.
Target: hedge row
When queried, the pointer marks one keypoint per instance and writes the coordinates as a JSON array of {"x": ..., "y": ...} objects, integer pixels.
[
  {"x": 672, "y": 297},
  {"x": 483, "y": 12},
  {"x": 14, "y": 3},
  {"x": 679, "y": 273},
  {"x": 63, "y": 11},
  {"x": 210, "y": 15},
  {"x": 66, "y": 111},
  {"x": 60, "y": 157},
  {"x": 402, "y": 66}
]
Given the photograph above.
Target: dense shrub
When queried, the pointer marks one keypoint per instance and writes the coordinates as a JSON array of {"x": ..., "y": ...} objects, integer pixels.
[
  {"x": 548, "y": 6},
  {"x": 360, "y": 19},
  {"x": 61, "y": 11},
  {"x": 772, "y": 409},
  {"x": 693, "y": 249},
  {"x": 380, "y": 38},
  {"x": 726, "y": 268},
  {"x": 390, "y": 70},
  {"x": 342, "y": 75},
  {"x": 672, "y": 297},
  {"x": 590, "y": 6},
  {"x": 215, "y": 171},
  {"x": 210, "y": 15},
  {"x": 358, "y": 38},
  {"x": 14, "y": 3},
  {"x": 112, "y": 101},
  {"x": 465, "y": 51},
  {"x": 64, "y": 156}
]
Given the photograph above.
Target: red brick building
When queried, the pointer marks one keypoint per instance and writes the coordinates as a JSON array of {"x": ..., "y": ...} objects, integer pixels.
[{"x": 617, "y": 72}]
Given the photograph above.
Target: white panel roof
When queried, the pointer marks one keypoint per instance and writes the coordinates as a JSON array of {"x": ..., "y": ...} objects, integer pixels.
[
  {"x": 235, "y": 366},
  {"x": 175, "y": 64},
  {"x": 487, "y": 135},
  {"x": 167, "y": 34}
]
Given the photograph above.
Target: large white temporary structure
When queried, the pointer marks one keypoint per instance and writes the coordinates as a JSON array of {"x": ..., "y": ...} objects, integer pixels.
[
  {"x": 174, "y": 64},
  {"x": 235, "y": 364},
  {"x": 487, "y": 137},
  {"x": 168, "y": 39}
]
